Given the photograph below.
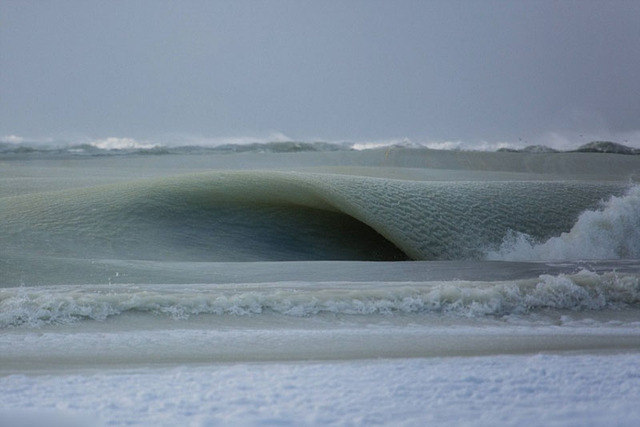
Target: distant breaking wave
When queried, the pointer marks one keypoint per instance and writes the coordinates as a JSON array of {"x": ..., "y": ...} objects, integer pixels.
[
  {"x": 126, "y": 146},
  {"x": 129, "y": 146}
]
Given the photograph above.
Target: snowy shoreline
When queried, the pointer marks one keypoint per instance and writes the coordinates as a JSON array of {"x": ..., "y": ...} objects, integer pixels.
[{"x": 543, "y": 389}]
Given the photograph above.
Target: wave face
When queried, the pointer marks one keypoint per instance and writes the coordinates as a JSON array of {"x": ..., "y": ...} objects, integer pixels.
[{"x": 273, "y": 216}]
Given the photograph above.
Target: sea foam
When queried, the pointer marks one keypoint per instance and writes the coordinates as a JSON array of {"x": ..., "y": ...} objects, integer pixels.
[
  {"x": 611, "y": 232},
  {"x": 34, "y": 307}
]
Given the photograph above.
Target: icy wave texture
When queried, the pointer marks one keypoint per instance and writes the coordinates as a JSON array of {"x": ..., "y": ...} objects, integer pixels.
[
  {"x": 610, "y": 232},
  {"x": 33, "y": 307},
  {"x": 280, "y": 216}
]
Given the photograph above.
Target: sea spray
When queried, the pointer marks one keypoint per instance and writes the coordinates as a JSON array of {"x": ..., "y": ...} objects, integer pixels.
[{"x": 611, "y": 232}]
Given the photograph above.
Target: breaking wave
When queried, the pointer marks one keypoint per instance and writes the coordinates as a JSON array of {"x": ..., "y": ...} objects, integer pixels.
[
  {"x": 611, "y": 232},
  {"x": 275, "y": 216},
  {"x": 275, "y": 143},
  {"x": 34, "y": 307}
]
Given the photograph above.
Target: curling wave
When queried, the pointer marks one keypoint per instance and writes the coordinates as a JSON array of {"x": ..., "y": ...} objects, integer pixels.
[{"x": 275, "y": 216}]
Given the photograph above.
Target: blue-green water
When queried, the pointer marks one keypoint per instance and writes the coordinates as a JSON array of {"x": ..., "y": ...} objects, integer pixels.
[{"x": 393, "y": 246}]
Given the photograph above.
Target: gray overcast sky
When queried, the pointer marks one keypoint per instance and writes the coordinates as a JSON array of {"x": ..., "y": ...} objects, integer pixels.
[{"x": 333, "y": 70}]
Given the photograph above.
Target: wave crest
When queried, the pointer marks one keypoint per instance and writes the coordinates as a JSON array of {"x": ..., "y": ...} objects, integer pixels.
[{"x": 612, "y": 232}]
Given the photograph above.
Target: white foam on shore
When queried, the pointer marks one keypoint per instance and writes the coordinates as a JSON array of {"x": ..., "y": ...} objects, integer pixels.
[
  {"x": 568, "y": 390},
  {"x": 36, "y": 307}
]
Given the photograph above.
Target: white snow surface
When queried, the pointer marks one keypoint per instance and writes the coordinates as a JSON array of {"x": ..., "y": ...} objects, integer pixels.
[{"x": 542, "y": 389}]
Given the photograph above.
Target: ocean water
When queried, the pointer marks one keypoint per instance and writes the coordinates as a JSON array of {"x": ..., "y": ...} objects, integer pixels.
[{"x": 312, "y": 273}]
